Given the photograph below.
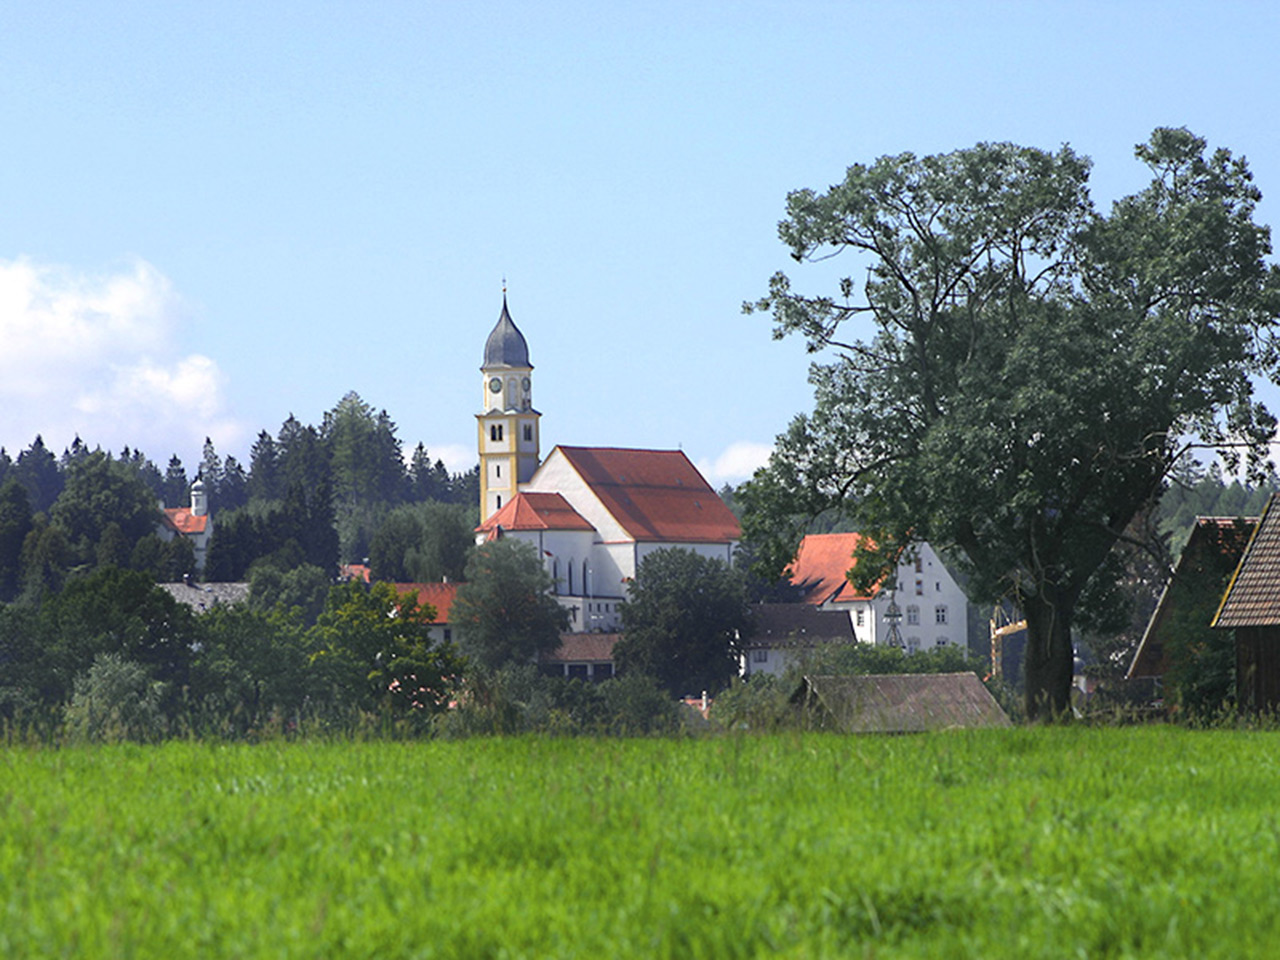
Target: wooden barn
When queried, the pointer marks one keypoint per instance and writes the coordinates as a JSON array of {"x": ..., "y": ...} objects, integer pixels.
[
  {"x": 1251, "y": 607},
  {"x": 898, "y": 703},
  {"x": 1194, "y": 591}
]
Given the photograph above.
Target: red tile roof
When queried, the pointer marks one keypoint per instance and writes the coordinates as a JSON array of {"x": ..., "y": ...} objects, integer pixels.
[
  {"x": 536, "y": 511},
  {"x": 655, "y": 495},
  {"x": 821, "y": 568},
  {"x": 439, "y": 595},
  {"x": 184, "y": 521},
  {"x": 354, "y": 571}
]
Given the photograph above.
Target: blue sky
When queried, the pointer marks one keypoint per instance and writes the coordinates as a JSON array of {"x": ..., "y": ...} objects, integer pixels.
[{"x": 215, "y": 215}]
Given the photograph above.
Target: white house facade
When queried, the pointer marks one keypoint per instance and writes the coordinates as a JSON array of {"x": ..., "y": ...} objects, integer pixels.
[{"x": 932, "y": 609}]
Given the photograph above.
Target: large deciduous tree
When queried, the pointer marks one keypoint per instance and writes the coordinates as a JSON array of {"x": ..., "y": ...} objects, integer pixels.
[
  {"x": 1022, "y": 372},
  {"x": 683, "y": 621},
  {"x": 372, "y": 648}
]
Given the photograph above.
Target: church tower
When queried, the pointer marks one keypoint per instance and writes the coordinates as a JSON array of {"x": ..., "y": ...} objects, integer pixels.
[{"x": 508, "y": 427}]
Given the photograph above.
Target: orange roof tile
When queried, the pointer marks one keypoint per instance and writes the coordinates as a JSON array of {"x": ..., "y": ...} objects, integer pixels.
[
  {"x": 354, "y": 571},
  {"x": 439, "y": 595},
  {"x": 536, "y": 511},
  {"x": 654, "y": 494},
  {"x": 184, "y": 521},
  {"x": 821, "y": 568}
]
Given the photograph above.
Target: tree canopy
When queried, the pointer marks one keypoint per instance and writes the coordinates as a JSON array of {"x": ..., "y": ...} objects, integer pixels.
[
  {"x": 505, "y": 610},
  {"x": 683, "y": 619},
  {"x": 1018, "y": 373}
]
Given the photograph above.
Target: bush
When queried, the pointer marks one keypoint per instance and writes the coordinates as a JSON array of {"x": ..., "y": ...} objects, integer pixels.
[{"x": 116, "y": 699}]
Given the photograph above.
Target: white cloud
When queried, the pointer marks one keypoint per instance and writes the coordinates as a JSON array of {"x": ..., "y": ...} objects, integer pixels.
[
  {"x": 97, "y": 356},
  {"x": 457, "y": 458},
  {"x": 736, "y": 463}
]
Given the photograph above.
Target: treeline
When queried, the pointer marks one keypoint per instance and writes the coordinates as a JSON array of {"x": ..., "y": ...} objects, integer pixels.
[
  {"x": 310, "y": 495},
  {"x": 112, "y": 656}
]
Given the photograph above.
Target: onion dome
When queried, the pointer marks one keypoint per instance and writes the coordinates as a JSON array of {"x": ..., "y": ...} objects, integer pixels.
[{"x": 506, "y": 346}]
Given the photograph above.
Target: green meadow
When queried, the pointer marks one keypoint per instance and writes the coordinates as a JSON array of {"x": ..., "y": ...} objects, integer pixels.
[{"x": 1014, "y": 843}]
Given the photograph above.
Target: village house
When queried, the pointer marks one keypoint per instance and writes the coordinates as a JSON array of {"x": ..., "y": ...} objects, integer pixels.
[
  {"x": 923, "y": 601},
  {"x": 193, "y": 523},
  {"x": 783, "y": 633}
]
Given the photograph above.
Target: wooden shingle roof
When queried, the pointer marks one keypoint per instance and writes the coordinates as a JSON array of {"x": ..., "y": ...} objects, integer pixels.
[
  {"x": 1253, "y": 596},
  {"x": 899, "y": 703},
  {"x": 582, "y": 648}
]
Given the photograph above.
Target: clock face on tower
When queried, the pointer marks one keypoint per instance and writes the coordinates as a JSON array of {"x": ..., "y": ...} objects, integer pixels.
[
  {"x": 495, "y": 385},
  {"x": 525, "y": 384}
]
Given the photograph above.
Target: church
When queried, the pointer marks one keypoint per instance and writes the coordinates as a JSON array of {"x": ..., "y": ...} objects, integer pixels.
[{"x": 592, "y": 513}]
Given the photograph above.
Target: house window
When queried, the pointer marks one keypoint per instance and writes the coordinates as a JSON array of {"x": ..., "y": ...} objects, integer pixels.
[
  {"x": 571, "y": 578},
  {"x": 862, "y": 618},
  {"x": 919, "y": 565},
  {"x": 448, "y": 634},
  {"x": 528, "y": 432},
  {"x": 497, "y": 469},
  {"x": 919, "y": 588},
  {"x": 940, "y": 613},
  {"x": 913, "y": 644},
  {"x": 499, "y": 501},
  {"x": 913, "y": 615},
  {"x": 495, "y": 432},
  {"x": 578, "y": 670},
  {"x": 942, "y": 642},
  {"x": 760, "y": 655}
]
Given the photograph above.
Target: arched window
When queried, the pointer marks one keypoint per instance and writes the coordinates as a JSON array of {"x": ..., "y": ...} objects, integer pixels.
[
  {"x": 586, "y": 590},
  {"x": 495, "y": 432},
  {"x": 555, "y": 573},
  {"x": 571, "y": 578}
]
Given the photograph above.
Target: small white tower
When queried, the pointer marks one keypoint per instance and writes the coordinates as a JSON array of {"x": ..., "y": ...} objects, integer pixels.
[
  {"x": 508, "y": 427},
  {"x": 199, "y": 501}
]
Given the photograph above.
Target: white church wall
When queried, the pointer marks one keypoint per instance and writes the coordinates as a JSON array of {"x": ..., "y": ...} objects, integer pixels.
[{"x": 556, "y": 475}]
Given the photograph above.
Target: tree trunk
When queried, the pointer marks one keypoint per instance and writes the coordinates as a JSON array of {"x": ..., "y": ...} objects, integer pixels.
[{"x": 1049, "y": 658}]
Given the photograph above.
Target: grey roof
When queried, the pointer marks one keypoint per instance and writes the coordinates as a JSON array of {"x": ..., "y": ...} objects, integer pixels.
[
  {"x": 1253, "y": 596},
  {"x": 506, "y": 346},
  {"x": 776, "y": 625},
  {"x": 205, "y": 596},
  {"x": 899, "y": 702}
]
